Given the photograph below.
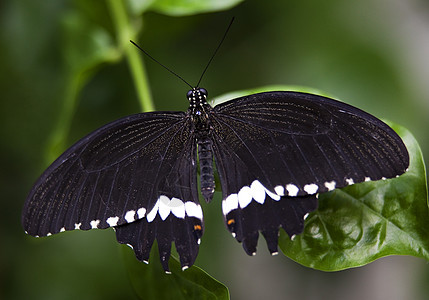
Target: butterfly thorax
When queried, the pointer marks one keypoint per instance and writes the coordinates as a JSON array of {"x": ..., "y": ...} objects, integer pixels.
[{"x": 199, "y": 111}]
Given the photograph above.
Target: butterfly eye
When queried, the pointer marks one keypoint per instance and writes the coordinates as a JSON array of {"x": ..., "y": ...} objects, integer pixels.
[
  {"x": 190, "y": 93},
  {"x": 203, "y": 91}
]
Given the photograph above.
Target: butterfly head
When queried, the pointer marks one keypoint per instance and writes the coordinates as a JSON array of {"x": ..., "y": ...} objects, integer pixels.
[
  {"x": 197, "y": 98},
  {"x": 197, "y": 95}
]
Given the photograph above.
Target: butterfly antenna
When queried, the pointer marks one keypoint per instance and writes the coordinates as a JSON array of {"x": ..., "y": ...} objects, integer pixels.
[
  {"x": 152, "y": 58},
  {"x": 214, "y": 53}
]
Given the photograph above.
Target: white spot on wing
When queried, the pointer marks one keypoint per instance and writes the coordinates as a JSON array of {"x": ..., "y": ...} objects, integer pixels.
[
  {"x": 311, "y": 188},
  {"x": 350, "y": 181},
  {"x": 244, "y": 196},
  {"x": 94, "y": 223},
  {"x": 229, "y": 204},
  {"x": 330, "y": 185},
  {"x": 257, "y": 191},
  {"x": 164, "y": 208},
  {"x": 280, "y": 190},
  {"x": 177, "y": 207},
  {"x": 49, "y": 234},
  {"x": 129, "y": 216},
  {"x": 272, "y": 195},
  {"x": 141, "y": 212},
  {"x": 77, "y": 225},
  {"x": 112, "y": 221},
  {"x": 193, "y": 210},
  {"x": 152, "y": 214},
  {"x": 367, "y": 178},
  {"x": 62, "y": 229},
  {"x": 292, "y": 190}
]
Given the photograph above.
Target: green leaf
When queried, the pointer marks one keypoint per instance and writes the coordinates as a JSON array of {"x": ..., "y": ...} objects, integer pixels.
[
  {"x": 151, "y": 282},
  {"x": 356, "y": 225},
  {"x": 191, "y": 7}
]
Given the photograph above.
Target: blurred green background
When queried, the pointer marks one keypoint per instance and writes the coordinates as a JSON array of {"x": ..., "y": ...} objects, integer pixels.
[{"x": 371, "y": 53}]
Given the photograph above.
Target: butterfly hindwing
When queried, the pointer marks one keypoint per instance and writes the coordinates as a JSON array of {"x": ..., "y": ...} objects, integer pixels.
[
  {"x": 286, "y": 146},
  {"x": 177, "y": 216}
]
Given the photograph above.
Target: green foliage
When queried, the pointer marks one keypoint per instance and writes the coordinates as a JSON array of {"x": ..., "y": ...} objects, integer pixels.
[{"x": 151, "y": 282}]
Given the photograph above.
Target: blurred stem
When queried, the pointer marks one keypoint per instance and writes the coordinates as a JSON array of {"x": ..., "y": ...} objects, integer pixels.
[
  {"x": 124, "y": 33},
  {"x": 57, "y": 140}
]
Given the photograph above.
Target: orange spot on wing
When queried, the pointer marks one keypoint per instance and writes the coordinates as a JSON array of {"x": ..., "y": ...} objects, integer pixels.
[
  {"x": 230, "y": 221},
  {"x": 197, "y": 227}
]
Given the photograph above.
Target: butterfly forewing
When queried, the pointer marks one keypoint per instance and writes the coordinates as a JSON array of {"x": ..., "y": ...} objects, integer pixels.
[
  {"x": 302, "y": 139},
  {"x": 114, "y": 176}
]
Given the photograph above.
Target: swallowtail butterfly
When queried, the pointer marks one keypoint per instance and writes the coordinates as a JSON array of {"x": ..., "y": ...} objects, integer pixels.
[{"x": 274, "y": 153}]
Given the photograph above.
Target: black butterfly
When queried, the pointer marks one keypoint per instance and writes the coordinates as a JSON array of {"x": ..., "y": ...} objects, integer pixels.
[{"x": 274, "y": 152}]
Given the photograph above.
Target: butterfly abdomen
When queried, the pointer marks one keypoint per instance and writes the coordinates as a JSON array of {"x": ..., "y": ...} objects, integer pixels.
[
  {"x": 199, "y": 111},
  {"x": 205, "y": 157}
]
